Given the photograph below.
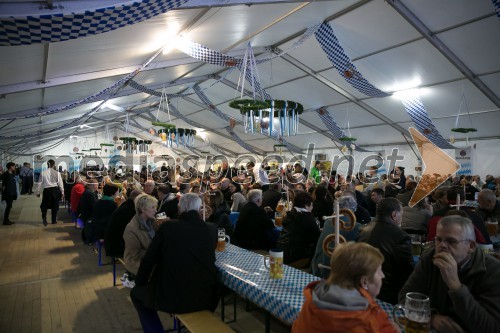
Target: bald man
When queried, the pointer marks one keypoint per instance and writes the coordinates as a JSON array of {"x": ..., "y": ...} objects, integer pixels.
[{"x": 489, "y": 206}]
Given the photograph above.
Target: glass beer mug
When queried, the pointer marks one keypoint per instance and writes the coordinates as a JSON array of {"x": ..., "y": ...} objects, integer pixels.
[
  {"x": 275, "y": 263},
  {"x": 221, "y": 239},
  {"x": 417, "y": 313}
]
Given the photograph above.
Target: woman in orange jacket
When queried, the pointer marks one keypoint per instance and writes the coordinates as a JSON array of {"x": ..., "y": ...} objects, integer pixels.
[{"x": 345, "y": 301}]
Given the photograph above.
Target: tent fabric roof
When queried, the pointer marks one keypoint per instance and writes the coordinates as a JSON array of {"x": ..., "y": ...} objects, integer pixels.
[{"x": 449, "y": 49}]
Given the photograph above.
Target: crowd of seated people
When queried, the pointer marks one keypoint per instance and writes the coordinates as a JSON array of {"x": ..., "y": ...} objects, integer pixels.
[{"x": 384, "y": 220}]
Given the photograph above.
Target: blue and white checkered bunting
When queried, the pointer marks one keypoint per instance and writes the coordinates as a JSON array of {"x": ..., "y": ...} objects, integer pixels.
[
  {"x": 207, "y": 55},
  {"x": 496, "y": 3},
  {"x": 144, "y": 89},
  {"x": 332, "y": 126},
  {"x": 420, "y": 118},
  {"x": 336, "y": 54},
  {"x": 239, "y": 140},
  {"x": 59, "y": 27},
  {"x": 109, "y": 92},
  {"x": 209, "y": 104},
  {"x": 414, "y": 107}
]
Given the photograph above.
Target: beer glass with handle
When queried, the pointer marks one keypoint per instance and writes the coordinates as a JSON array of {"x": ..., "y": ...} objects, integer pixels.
[{"x": 417, "y": 313}]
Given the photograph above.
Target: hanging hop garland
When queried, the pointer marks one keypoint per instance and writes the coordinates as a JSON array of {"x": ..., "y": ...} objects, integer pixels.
[
  {"x": 464, "y": 129},
  {"x": 247, "y": 105}
]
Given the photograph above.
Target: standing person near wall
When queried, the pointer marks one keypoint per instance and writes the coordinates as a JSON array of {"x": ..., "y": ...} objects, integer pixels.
[
  {"x": 53, "y": 191},
  {"x": 9, "y": 191},
  {"x": 23, "y": 173},
  {"x": 30, "y": 179}
]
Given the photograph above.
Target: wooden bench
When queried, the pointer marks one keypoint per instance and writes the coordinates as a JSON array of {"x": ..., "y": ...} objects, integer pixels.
[{"x": 203, "y": 322}]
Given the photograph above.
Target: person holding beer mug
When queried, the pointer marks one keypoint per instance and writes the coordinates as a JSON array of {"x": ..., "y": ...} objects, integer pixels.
[
  {"x": 461, "y": 281},
  {"x": 300, "y": 230},
  {"x": 345, "y": 302}
]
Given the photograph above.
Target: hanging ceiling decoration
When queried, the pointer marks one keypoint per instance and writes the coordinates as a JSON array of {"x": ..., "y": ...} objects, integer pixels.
[
  {"x": 465, "y": 130},
  {"x": 258, "y": 116},
  {"x": 169, "y": 133},
  {"x": 129, "y": 144},
  {"x": 259, "y": 113},
  {"x": 348, "y": 139}
]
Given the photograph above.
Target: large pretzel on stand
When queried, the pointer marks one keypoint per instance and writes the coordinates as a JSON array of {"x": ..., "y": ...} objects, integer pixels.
[
  {"x": 328, "y": 239},
  {"x": 351, "y": 219},
  {"x": 348, "y": 225}
]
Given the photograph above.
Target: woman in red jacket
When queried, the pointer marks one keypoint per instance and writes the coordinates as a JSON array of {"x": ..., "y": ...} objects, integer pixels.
[
  {"x": 345, "y": 301},
  {"x": 76, "y": 194}
]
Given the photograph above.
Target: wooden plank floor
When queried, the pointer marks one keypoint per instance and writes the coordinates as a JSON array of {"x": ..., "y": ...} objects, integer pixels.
[{"x": 51, "y": 282}]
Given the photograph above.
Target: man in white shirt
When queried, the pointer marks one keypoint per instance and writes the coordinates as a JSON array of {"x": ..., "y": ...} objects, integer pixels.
[{"x": 53, "y": 191}]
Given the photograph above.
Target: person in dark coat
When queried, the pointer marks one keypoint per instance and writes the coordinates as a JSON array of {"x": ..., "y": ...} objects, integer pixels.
[
  {"x": 178, "y": 274},
  {"x": 226, "y": 191},
  {"x": 300, "y": 230},
  {"x": 362, "y": 214},
  {"x": 88, "y": 200},
  {"x": 103, "y": 210},
  {"x": 404, "y": 197},
  {"x": 86, "y": 206},
  {"x": 322, "y": 204},
  {"x": 271, "y": 197},
  {"x": 113, "y": 239},
  {"x": 9, "y": 191},
  {"x": 167, "y": 201},
  {"x": 476, "y": 219},
  {"x": 385, "y": 233},
  {"x": 398, "y": 178},
  {"x": 255, "y": 230}
]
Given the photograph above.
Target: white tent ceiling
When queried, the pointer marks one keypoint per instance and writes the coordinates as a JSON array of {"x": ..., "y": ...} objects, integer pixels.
[{"x": 448, "y": 48}]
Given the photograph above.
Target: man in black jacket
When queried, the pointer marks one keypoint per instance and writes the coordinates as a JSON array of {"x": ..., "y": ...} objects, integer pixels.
[
  {"x": 168, "y": 201},
  {"x": 385, "y": 233},
  {"x": 272, "y": 196},
  {"x": 178, "y": 274},
  {"x": 86, "y": 206},
  {"x": 255, "y": 230},
  {"x": 9, "y": 190},
  {"x": 113, "y": 240}
]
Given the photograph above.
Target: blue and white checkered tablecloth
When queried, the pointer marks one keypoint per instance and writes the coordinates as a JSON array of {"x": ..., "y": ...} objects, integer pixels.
[{"x": 244, "y": 272}]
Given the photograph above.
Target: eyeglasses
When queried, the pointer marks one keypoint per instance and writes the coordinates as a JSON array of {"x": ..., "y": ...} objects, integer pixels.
[{"x": 449, "y": 241}]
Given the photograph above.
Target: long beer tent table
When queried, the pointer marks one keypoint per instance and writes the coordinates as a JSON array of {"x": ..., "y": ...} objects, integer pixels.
[{"x": 244, "y": 272}]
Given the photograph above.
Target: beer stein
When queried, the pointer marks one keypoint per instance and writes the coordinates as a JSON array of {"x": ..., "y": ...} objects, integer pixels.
[
  {"x": 417, "y": 313},
  {"x": 492, "y": 226},
  {"x": 221, "y": 239},
  {"x": 416, "y": 245},
  {"x": 275, "y": 263},
  {"x": 278, "y": 219}
]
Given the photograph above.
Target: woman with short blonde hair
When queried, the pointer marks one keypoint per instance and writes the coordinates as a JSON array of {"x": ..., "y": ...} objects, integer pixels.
[
  {"x": 138, "y": 233},
  {"x": 142, "y": 201},
  {"x": 345, "y": 301}
]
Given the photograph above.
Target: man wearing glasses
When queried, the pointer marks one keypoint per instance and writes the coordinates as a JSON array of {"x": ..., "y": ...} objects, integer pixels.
[{"x": 461, "y": 281}]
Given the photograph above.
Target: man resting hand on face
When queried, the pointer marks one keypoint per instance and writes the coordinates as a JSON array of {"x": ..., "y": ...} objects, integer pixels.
[{"x": 461, "y": 281}]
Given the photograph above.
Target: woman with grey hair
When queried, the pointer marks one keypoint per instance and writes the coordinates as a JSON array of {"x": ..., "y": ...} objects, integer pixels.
[
  {"x": 138, "y": 234},
  {"x": 178, "y": 273},
  {"x": 348, "y": 200}
]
